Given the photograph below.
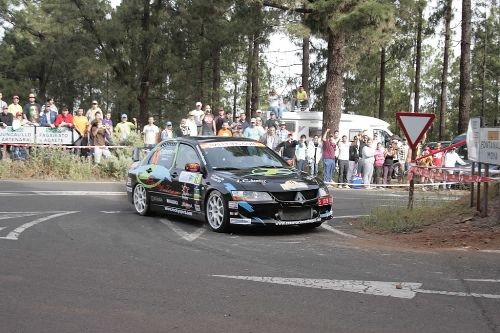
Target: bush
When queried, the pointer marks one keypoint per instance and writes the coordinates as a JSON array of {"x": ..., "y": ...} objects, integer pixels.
[{"x": 62, "y": 164}]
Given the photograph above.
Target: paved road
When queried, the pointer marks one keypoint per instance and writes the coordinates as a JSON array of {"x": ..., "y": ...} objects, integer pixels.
[{"x": 74, "y": 257}]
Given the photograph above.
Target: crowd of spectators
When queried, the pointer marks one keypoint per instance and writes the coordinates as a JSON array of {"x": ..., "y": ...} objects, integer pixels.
[{"x": 362, "y": 158}]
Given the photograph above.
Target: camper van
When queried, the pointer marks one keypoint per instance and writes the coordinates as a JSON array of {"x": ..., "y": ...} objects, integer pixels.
[{"x": 310, "y": 124}]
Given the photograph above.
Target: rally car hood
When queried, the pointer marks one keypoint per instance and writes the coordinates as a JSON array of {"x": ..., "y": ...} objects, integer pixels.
[{"x": 267, "y": 179}]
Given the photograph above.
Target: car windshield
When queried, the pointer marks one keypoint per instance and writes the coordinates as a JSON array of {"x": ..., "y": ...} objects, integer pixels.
[{"x": 234, "y": 155}]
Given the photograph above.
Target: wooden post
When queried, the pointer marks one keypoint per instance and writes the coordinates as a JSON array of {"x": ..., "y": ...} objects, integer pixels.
[
  {"x": 484, "y": 211},
  {"x": 472, "y": 185},
  {"x": 411, "y": 190},
  {"x": 478, "y": 200}
]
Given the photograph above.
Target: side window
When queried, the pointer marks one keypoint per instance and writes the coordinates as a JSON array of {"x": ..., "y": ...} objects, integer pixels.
[
  {"x": 186, "y": 154},
  {"x": 164, "y": 155}
]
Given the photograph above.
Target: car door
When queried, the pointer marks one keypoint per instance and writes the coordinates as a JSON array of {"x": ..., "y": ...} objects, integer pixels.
[
  {"x": 157, "y": 172},
  {"x": 187, "y": 183}
]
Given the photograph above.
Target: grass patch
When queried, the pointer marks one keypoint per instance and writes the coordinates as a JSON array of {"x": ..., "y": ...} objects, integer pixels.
[
  {"x": 401, "y": 219},
  {"x": 59, "y": 164}
]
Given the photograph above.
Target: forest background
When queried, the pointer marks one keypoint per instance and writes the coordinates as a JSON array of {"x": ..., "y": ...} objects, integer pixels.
[{"x": 159, "y": 57}]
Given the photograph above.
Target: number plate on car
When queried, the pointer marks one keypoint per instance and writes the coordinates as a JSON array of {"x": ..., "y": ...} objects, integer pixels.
[{"x": 295, "y": 214}]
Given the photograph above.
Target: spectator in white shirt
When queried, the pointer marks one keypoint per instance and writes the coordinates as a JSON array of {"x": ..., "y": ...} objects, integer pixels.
[
  {"x": 151, "y": 134},
  {"x": 343, "y": 158}
]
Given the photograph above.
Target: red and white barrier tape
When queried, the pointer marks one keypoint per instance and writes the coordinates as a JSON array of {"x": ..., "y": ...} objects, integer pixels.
[{"x": 432, "y": 173}]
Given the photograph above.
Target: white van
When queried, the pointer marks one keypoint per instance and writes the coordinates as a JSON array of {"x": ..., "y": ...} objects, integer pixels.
[{"x": 311, "y": 123}]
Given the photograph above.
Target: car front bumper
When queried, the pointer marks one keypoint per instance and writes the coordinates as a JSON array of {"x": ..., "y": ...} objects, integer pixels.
[{"x": 245, "y": 213}]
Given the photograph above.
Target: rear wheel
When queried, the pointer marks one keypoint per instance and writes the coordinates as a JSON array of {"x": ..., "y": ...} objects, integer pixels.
[
  {"x": 141, "y": 202},
  {"x": 217, "y": 212}
]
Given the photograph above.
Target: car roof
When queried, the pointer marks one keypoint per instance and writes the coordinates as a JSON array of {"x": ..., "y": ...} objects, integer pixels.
[{"x": 203, "y": 139}]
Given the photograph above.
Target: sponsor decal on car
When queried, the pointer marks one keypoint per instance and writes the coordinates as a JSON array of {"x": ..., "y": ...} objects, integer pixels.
[
  {"x": 179, "y": 211},
  {"x": 129, "y": 181},
  {"x": 187, "y": 205},
  {"x": 154, "y": 198},
  {"x": 271, "y": 172},
  {"x": 246, "y": 206},
  {"x": 290, "y": 185},
  {"x": 297, "y": 222},
  {"x": 129, "y": 189},
  {"x": 190, "y": 177},
  {"x": 197, "y": 194},
  {"x": 208, "y": 145},
  {"x": 197, "y": 208},
  {"x": 247, "y": 180},
  {"x": 185, "y": 192},
  {"x": 233, "y": 213},
  {"x": 151, "y": 175},
  {"x": 172, "y": 202},
  {"x": 217, "y": 179},
  {"x": 240, "y": 221},
  {"x": 232, "y": 204}
]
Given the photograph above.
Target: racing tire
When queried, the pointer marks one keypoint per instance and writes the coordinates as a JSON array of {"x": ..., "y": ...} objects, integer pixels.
[
  {"x": 310, "y": 226},
  {"x": 217, "y": 215},
  {"x": 141, "y": 200}
]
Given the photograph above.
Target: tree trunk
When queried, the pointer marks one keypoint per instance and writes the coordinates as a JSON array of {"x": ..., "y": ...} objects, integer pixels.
[
  {"x": 216, "y": 75},
  {"x": 444, "y": 75},
  {"x": 144, "y": 85},
  {"x": 248, "y": 90},
  {"x": 416, "y": 101},
  {"x": 201, "y": 81},
  {"x": 255, "y": 74},
  {"x": 305, "y": 63},
  {"x": 464, "y": 100},
  {"x": 381, "y": 97},
  {"x": 334, "y": 80}
]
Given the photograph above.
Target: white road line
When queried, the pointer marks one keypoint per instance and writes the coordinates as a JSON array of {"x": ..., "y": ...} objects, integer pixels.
[
  {"x": 378, "y": 288},
  {"x": 332, "y": 229},
  {"x": 61, "y": 193},
  {"x": 490, "y": 251},
  {"x": 14, "y": 235},
  {"x": 482, "y": 280},
  {"x": 185, "y": 235},
  {"x": 5, "y": 216},
  {"x": 349, "y": 216},
  {"x": 457, "y": 293},
  {"x": 407, "y": 290},
  {"x": 34, "y": 213},
  {"x": 111, "y": 211}
]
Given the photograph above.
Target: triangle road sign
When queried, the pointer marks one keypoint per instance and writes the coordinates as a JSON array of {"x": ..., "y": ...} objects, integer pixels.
[{"x": 414, "y": 125}]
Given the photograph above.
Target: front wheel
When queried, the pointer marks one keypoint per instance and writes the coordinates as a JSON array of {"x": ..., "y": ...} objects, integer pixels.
[
  {"x": 140, "y": 198},
  {"x": 216, "y": 212}
]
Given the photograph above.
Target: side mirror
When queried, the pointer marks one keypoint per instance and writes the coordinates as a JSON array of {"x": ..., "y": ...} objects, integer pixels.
[
  {"x": 192, "y": 167},
  {"x": 136, "y": 154}
]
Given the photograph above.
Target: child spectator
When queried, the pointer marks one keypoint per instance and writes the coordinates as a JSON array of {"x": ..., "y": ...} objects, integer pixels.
[
  {"x": 379, "y": 163},
  {"x": 225, "y": 130}
]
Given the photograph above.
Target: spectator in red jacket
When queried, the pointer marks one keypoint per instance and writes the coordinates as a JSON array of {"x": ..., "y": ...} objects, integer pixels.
[{"x": 64, "y": 119}]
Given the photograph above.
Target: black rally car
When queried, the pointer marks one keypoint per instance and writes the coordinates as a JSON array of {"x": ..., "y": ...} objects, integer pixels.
[{"x": 226, "y": 181}]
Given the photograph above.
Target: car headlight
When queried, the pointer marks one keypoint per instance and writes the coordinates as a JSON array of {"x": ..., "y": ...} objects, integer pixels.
[
  {"x": 323, "y": 192},
  {"x": 251, "y": 196}
]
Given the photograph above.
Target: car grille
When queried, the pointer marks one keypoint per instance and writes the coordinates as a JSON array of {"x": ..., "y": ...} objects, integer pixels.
[
  {"x": 295, "y": 214},
  {"x": 290, "y": 195}
]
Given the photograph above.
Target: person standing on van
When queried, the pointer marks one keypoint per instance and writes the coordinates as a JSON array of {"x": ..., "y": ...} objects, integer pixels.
[
  {"x": 314, "y": 149},
  {"x": 329, "y": 148}
]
